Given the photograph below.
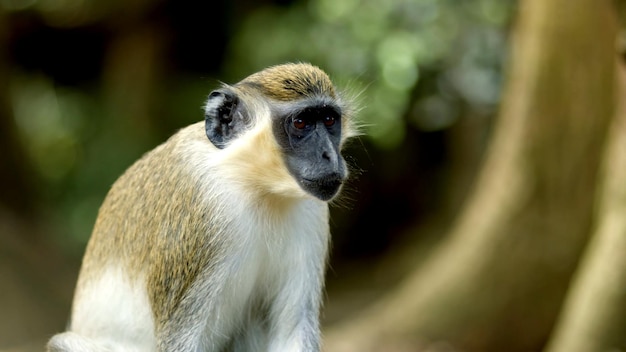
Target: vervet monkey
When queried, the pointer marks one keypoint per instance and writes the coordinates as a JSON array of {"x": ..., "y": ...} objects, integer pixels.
[{"x": 217, "y": 239}]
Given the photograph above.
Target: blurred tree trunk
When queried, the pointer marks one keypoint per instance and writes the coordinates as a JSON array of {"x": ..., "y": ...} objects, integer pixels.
[
  {"x": 498, "y": 281},
  {"x": 132, "y": 80},
  {"x": 32, "y": 277},
  {"x": 36, "y": 281},
  {"x": 17, "y": 193},
  {"x": 594, "y": 317}
]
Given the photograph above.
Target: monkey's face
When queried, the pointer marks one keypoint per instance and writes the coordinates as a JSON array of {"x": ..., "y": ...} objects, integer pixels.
[
  {"x": 310, "y": 136},
  {"x": 306, "y": 120}
]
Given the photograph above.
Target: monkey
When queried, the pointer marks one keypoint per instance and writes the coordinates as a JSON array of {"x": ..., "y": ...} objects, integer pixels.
[{"x": 218, "y": 239}]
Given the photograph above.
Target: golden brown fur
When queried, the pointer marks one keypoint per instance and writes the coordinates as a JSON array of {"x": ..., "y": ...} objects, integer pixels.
[
  {"x": 188, "y": 217},
  {"x": 290, "y": 82}
]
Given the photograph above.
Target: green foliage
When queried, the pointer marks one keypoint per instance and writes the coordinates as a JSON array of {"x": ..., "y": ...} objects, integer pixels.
[
  {"x": 382, "y": 48},
  {"x": 413, "y": 63}
]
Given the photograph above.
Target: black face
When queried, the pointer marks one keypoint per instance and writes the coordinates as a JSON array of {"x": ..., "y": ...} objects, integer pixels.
[
  {"x": 309, "y": 133},
  {"x": 310, "y": 136}
]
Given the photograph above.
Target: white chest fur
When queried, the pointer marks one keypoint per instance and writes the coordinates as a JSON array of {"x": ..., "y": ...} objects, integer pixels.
[{"x": 275, "y": 268}]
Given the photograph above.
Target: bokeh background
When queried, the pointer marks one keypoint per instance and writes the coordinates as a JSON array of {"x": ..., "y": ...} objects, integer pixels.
[{"x": 428, "y": 253}]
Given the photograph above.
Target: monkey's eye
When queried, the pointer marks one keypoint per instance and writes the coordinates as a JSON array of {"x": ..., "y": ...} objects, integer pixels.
[
  {"x": 329, "y": 121},
  {"x": 299, "y": 123}
]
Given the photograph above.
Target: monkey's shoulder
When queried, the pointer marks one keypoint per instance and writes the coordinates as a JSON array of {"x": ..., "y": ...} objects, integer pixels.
[
  {"x": 188, "y": 146},
  {"x": 175, "y": 171}
]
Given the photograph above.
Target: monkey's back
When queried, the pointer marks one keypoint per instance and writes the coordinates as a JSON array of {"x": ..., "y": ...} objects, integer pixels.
[{"x": 152, "y": 225}]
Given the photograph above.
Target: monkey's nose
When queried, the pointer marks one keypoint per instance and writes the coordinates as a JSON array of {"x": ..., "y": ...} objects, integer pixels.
[{"x": 331, "y": 157}]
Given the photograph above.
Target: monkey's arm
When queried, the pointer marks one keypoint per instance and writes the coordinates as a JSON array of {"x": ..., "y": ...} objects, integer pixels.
[{"x": 295, "y": 311}]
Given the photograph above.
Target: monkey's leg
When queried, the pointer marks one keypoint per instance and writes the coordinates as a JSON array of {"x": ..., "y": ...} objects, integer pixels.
[
  {"x": 198, "y": 324},
  {"x": 73, "y": 342}
]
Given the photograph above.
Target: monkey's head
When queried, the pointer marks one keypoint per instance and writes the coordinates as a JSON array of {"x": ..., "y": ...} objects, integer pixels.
[{"x": 292, "y": 111}]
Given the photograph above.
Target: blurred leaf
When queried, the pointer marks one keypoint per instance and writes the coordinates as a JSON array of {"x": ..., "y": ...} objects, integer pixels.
[{"x": 385, "y": 45}]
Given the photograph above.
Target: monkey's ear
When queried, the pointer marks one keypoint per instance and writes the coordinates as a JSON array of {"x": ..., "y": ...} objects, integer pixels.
[{"x": 224, "y": 118}]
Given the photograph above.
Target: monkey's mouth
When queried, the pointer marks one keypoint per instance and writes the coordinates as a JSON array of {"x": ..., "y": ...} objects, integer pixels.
[{"x": 323, "y": 188}]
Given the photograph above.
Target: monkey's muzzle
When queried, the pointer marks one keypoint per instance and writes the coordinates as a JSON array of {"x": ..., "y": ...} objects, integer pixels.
[{"x": 324, "y": 187}]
